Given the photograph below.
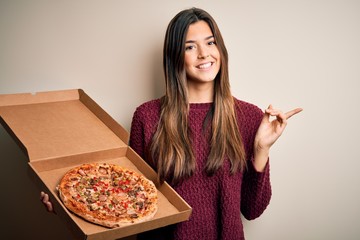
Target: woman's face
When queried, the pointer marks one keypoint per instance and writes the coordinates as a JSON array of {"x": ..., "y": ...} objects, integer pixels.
[{"x": 202, "y": 57}]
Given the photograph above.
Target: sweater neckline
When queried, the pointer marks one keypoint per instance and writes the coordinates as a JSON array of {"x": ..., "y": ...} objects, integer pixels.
[{"x": 201, "y": 105}]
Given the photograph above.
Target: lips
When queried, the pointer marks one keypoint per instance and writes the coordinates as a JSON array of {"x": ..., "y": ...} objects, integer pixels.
[{"x": 205, "y": 65}]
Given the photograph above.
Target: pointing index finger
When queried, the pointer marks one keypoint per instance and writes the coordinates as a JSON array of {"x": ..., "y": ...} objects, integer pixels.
[{"x": 291, "y": 113}]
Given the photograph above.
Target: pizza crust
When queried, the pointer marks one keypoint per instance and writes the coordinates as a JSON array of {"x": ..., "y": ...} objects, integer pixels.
[{"x": 108, "y": 195}]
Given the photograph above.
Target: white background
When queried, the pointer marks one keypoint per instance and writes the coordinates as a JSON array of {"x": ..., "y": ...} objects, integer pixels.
[{"x": 299, "y": 53}]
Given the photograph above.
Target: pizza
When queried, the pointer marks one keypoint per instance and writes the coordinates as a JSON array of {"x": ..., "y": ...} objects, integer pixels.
[{"x": 108, "y": 195}]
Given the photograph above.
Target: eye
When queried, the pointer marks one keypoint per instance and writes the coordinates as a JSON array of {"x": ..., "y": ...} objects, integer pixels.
[
  {"x": 212, "y": 43},
  {"x": 189, "y": 47}
]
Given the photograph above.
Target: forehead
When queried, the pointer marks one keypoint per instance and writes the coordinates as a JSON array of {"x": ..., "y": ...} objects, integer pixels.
[{"x": 198, "y": 31}]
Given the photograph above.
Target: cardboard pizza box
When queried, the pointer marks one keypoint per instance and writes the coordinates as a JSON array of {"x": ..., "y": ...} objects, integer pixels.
[{"x": 59, "y": 130}]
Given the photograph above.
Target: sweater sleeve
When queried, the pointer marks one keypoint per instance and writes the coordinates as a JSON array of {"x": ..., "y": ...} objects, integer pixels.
[
  {"x": 256, "y": 192},
  {"x": 256, "y": 187},
  {"x": 136, "y": 141}
]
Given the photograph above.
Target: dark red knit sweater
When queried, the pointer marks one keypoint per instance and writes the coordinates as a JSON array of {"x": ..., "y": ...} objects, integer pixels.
[{"x": 218, "y": 200}]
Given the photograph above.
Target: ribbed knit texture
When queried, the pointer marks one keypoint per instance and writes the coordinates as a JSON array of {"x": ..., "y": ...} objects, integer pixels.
[{"x": 219, "y": 200}]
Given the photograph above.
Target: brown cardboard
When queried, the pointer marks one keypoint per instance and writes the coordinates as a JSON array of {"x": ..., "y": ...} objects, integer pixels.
[{"x": 62, "y": 129}]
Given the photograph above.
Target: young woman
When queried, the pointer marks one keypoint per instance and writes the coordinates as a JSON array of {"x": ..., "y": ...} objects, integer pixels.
[{"x": 211, "y": 147}]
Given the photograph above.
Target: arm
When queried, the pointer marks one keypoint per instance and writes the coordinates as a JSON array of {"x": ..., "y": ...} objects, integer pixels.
[
  {"x": 255, "y": 192},
  {"x": 137, "y": 134},
  {"x": 256, "y": 188}
]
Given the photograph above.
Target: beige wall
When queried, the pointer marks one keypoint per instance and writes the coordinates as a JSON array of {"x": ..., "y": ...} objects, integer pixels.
[{"x": 288, "y": 53}]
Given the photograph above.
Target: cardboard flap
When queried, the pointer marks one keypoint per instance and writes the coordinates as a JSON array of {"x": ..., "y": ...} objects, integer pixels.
[{"x": 60, "y": 123}]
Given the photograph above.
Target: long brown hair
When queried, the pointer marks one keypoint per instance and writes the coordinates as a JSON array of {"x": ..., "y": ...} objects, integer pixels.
[{"x": 171, "y": 149}]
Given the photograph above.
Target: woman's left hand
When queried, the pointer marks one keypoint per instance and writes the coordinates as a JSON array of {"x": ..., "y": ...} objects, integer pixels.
[{"x": 269, "y": 131}]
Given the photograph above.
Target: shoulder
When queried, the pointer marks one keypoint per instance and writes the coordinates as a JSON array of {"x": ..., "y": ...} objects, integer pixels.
[
  {"x": 246, "y": 109},
  {"x": 147, "y": 110},
  {"x": 152, "y": 105},
  {"x": 249, "y": 118}
]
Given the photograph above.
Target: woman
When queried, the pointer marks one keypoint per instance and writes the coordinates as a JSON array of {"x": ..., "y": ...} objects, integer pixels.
[{"x": 211, "y": 147}]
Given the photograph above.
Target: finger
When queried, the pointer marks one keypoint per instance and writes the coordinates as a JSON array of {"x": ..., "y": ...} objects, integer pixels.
[
  {"x": 293, "y": 112},
  {"x": 281, "y": 117},
  {"x": 266, "y": 117},
  {"x": 269, "y": 108},
  {"x": 42, "y": 194},
  {"x": 45, "y": 198},
  {"x": 49, "y": 206},
  {"x": 273, "y": 112}
]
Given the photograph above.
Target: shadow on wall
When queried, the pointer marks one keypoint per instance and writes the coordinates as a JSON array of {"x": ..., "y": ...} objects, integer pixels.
[{"x": 157, "y": 72}]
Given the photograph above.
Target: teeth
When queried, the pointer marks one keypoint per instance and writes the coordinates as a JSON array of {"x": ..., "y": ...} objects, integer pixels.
[{"x": 206, "y": 65}]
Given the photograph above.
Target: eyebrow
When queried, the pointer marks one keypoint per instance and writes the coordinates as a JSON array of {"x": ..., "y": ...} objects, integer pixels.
[{"x": 193, "y": 41}]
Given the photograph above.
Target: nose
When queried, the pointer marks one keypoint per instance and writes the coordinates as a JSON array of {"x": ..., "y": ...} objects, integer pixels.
[{"x": 203, "y": 54}]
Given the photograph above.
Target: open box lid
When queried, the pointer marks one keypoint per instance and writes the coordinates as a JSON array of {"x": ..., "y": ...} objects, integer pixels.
[{"x": 60, "y": 123}]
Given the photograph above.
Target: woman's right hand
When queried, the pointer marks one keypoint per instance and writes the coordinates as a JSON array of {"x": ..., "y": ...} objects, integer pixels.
[{"x": 44, "y": 198}]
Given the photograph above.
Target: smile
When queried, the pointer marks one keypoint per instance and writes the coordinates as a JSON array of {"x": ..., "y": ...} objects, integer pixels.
[{"x": 205, "y": 65}]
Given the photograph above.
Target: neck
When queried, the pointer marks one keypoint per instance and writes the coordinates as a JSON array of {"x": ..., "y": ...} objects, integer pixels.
[{"x": 201, "y": 93}]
